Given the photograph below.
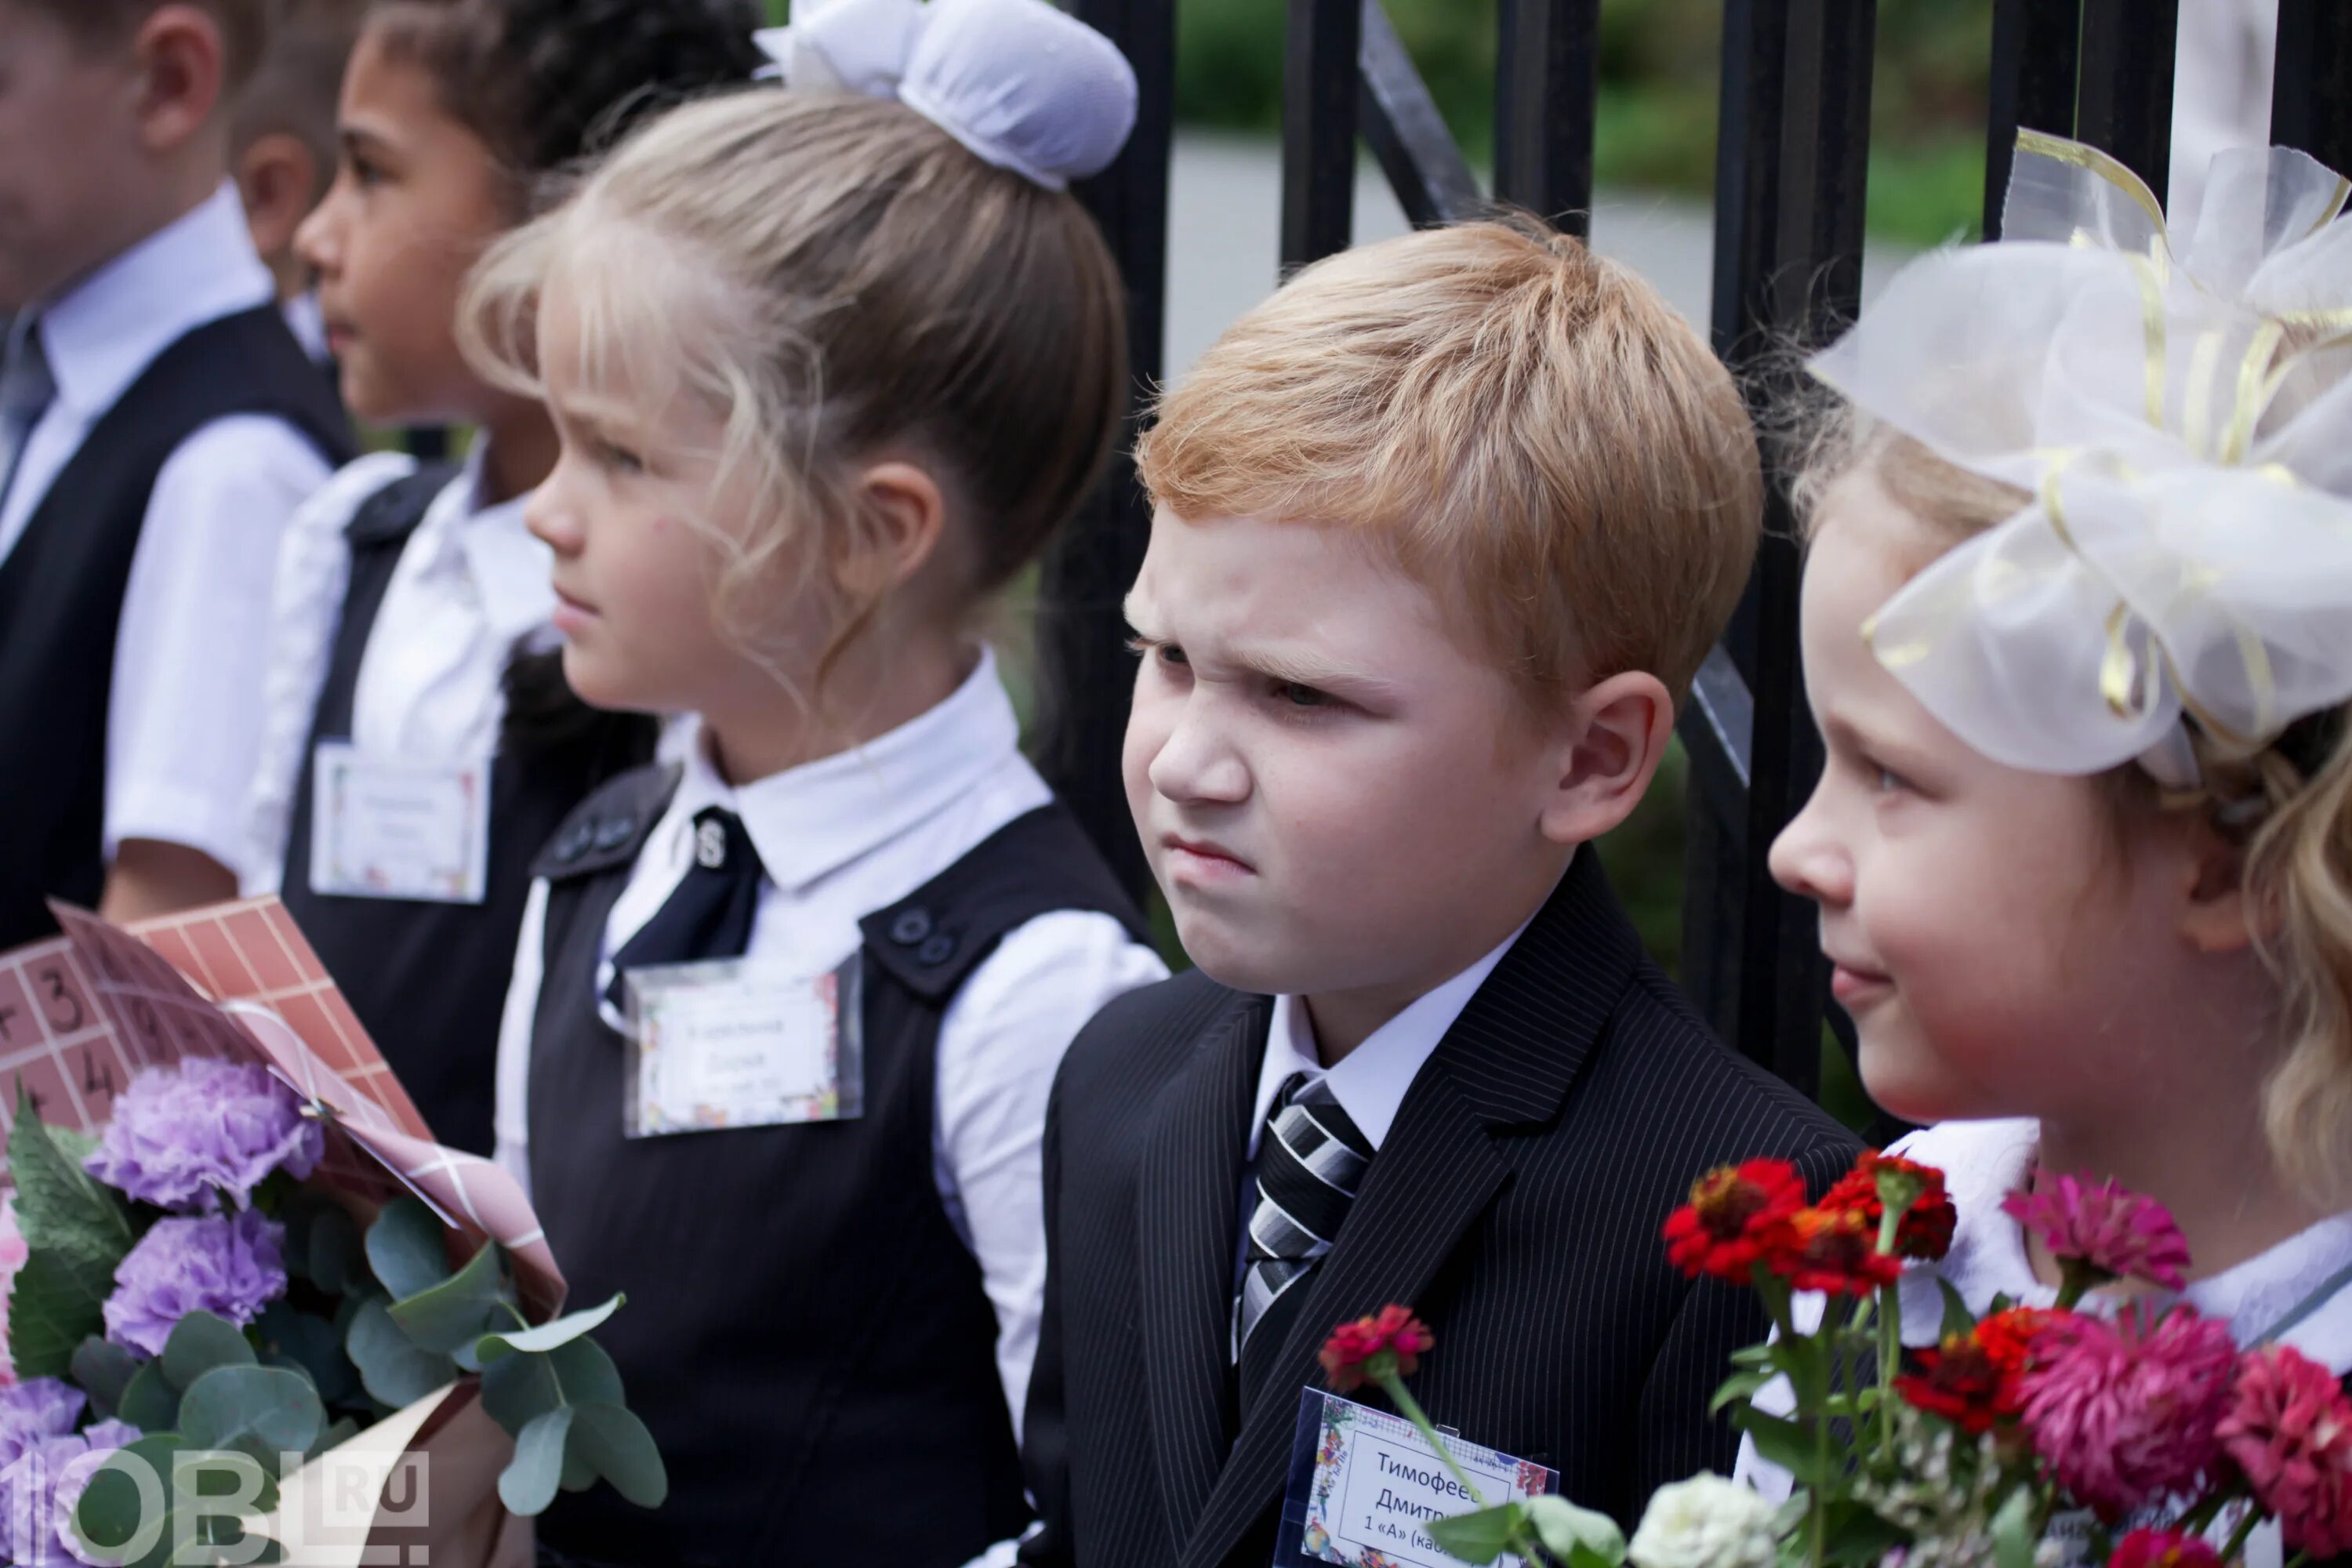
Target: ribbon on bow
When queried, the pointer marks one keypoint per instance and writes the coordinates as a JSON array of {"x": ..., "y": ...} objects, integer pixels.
[
  {"x": 2182, "y": 419},
  {"x": 1022, "y": 84}
]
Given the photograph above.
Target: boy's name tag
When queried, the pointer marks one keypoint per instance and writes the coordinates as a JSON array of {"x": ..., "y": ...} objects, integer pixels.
[
  {"x": 734, "y": 1043},
  {"x": 1363, "y": 1487},
  {"x": 395, "y": 828}
]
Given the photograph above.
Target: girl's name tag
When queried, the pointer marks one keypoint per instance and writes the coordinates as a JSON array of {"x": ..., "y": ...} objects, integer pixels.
[
  {"x": 395, "y": 828},
  {"x": 1364, "y": 1486},
  {"x": 732, "y": 1043}
]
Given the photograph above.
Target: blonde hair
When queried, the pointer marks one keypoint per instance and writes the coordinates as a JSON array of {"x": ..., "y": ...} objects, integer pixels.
[
  {"x": 834, "y": 275},
  {"x": 1527, "y": 428},
  {"x": 2288, "y": 802}
]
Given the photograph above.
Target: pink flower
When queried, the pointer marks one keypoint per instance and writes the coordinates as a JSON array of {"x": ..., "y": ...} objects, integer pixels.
[
  {"x": 2290, "y": 1429},
  {"x": 2104, "y": 1231},
  {"x": 2164, "y": 1549},
  {"x": 2126, "y": 1413},
  {"x": 1375, "y": 1349},
  {"x": 14, "y": 1251}
]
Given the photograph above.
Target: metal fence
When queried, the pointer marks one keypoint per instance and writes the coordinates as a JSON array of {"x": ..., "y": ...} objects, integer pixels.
[{"x": 1792, "y": 154}]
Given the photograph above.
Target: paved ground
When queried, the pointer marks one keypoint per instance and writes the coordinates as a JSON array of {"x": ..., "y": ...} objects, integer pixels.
[{"x": 1224, "y": 218}]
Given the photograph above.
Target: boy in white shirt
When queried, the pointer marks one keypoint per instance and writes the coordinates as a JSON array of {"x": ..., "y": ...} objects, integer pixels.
[{"x": 158, "y": 424}]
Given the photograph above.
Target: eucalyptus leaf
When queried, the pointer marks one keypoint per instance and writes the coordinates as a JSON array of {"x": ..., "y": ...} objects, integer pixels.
[
  {"x": 1564, "y": 1528},
  {"x": 1479, "y": 1536},
  {"x": 616, "y": 1443},
  {"x": 310, "y": 1342},
  {"x": 148, "y": 1401},
  {"x": 579, "y": 1475},
  {"x": 528, "y": 1482},
  {"x": 102, "y": 1369},
  {"x": 519, "y": 1386},
  {"x": 337, "y": 1260},
  {"x": 277, "y": 1409},
  {"x": 130, "y": 1490},
  {"x": 393, "y": 1368},
  {"x": 455, "y": 1313},
  {"x": 549, "y": 1335},
  {"x": 408, "y": 1249},
  {"x": 199, "y": 1342}
]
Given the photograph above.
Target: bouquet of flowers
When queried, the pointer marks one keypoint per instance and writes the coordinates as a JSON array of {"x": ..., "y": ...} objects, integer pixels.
[
  {"x": 255, "y": 1281},
  {"x": 2024, "y": 1439}
]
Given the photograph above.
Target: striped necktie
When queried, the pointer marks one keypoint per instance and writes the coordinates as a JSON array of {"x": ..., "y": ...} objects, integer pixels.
[
  {"x": 27, "y": 390},
  {"x": 1310, "y": 1161}
]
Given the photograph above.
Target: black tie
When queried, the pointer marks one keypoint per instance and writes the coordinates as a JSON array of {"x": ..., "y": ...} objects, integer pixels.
[
  {"x": 709, "y": 914},
  {"x": 1310, "y": 1159}
]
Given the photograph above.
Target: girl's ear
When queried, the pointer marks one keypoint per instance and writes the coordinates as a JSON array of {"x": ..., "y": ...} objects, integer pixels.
[
  {"x": 2218, "y": 915},
  {"x": 907, "y": 517},
  {"x": 1615, "y": 738}
]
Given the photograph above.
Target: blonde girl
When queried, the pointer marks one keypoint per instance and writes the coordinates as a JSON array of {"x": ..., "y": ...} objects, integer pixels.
[{"x": 829, "y": 364}]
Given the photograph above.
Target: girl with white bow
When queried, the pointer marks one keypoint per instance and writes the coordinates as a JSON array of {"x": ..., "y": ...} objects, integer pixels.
[
  {"x": 2077, "y": 631},
  {"x": 829, "y": 364}
]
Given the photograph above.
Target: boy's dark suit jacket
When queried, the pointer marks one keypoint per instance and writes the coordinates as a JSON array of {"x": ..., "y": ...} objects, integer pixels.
[{"x": 1516, "y": 1203}]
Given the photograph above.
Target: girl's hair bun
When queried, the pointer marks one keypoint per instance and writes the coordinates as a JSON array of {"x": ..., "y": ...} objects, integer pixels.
[{"x": 1022, "y": 84}]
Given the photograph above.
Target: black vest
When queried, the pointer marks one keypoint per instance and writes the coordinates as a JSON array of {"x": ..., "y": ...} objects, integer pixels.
[
  {"x": 428, "y": 980},
  {"x": 806, "y": 1335},
  {"x": 61, "y": 595}
]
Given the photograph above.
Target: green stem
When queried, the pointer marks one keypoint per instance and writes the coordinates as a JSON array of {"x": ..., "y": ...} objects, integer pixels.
[
  {"x": 2237, "y": 1541},
  {"x": 1409, "y": 1408},
  {"x": 1890, "y": 1361}
]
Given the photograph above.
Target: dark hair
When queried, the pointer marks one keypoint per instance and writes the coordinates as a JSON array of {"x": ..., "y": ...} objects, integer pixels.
[
  {"x": 547, "y": 83},
  {"x": 245, "y": 26}
]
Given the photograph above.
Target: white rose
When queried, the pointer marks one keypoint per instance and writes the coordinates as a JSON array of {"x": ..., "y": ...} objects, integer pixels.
[{"x": 1705, "y": 1522}]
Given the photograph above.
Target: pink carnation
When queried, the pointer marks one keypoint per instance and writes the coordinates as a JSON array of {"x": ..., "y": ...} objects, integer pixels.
[
  {"x": 2115, "y": 1234},
  {"x": 2125, "y": 1414},
  {"x": 2290, "y": 1429},
  {"x": 14, "y": 1251}
]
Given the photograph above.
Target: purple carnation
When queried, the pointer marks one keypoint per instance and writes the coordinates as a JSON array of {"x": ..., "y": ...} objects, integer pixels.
[
  {"x": 226, "y": 1265},
  {"x": 42, "y": 1488},
  {"x": 182, "y": 1133},
  {"x": 33, "y": 1410}
]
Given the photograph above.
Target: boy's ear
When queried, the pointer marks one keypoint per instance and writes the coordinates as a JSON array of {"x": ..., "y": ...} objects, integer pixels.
[
  {"x": 182, "y": 70},
  {"x": 277, "y": 175},
  {"x": 2218, "y": 915},
  {"x": 1609, "y": 751}
]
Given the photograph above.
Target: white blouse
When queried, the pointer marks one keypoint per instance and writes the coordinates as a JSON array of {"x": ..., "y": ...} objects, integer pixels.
[{"x": 470, "y": 583}]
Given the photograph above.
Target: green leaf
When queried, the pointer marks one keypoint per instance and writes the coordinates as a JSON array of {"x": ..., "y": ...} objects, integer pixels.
[
  {"x": 336, "y": 1259},
  {"x": 1855, "y": 1535},
  {"x": 579, "y": 1475},
  {"x": 311, "y": 1342},
  {"x": 520, "y": 1386},
  {"x": 2012, "y": 1532},
  {"x": 1479, "y": 1536},
  {"x": 199, "y": 1342},
  {"x": 454, "y": 1313},
  {"x": 277, "y": 1409},
  {"x": 1739, "y": 1385},
  {"x": 1785, "y": 1443},
  {"x": 393, "y": 1368},
  {"x": 1565, "y": 1530},
  {"x": 616, "y": 1443},
  {"x": 56, "y": 1304},
  {"x": 59, "y": 1206},
  {"x": 1958, "y": 1318},
  {"x": 102, "y": 1370},
  {"x": 131, "y": 1490},
  {"x": 528, "y": 1482},
  {"x": 408, "y": 1249},
  {"x": 549, "y": 1335},
  {"x": 149, "y": 1401}
]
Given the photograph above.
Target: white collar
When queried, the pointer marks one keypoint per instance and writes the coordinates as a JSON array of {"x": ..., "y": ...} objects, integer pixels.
[
  {"x": 812, "y": 820},
  {"x": 1371, "y": 1081},
  {"x": 509, "y": 568},
  {"x": 106, "y": 330}
]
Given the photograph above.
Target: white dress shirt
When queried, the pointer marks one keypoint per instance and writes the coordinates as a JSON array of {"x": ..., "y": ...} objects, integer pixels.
[
  {"x": 182, "y": 722},
  {"x": 470, "y": 583},
  {"x": 840, "y": 838}
]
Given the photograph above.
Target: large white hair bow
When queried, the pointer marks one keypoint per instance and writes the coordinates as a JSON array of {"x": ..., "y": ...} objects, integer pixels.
[
  {"x": 2182, "y": 419},
  {"x": 1024, "y": 84}
]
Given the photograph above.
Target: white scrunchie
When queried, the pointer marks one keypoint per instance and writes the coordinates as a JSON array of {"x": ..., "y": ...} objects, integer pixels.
[
  {"x": 2182, "y": 418},
  {"x": 1024, "y": 85}
]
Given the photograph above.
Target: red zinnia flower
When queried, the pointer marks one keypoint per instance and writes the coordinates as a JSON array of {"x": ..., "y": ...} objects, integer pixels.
[
  {"x": 1835, "y": 1250},
  {"x": 1719, "y": 1231},
  {"x": 2290, "y": 1430},
  {"x": 2164, "y": 1549},
  {"x": 1972, "y": 1379},
  {"x": 1394, "y": 1332},
  {"x": 1926, "y": 1231}
]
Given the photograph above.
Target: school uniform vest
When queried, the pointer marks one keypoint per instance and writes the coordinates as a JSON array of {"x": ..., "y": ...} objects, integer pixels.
[
  {"x": 806, "y": 1335},
  {"x": 429, "y": 980},
  {"x": 61, "y": 592}
]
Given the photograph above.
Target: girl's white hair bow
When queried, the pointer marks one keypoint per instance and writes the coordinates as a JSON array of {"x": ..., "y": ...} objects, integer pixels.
[
  {"x": 1022, "y": 83},
  {"x": 2182, "y": 421}
]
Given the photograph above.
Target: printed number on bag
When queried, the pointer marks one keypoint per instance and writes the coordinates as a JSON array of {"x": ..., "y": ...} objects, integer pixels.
[
  {"x": 395, "y": 828},
  {"x": 736, "y": 1043}
]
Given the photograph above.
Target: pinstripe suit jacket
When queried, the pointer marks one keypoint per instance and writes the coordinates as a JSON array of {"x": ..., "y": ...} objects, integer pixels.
[{"x": 1516, "y": 1203}]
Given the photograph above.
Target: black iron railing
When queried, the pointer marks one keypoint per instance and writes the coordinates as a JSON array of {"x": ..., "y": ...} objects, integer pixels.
[{"x": 1792, "y": 152}]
